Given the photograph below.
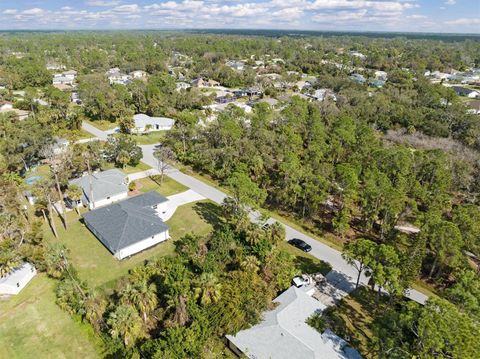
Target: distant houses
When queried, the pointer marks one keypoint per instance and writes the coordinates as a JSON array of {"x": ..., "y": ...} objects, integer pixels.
[
  {"x": 64, "y": 80},
  {"x": 115, "y": 76},
  {"x": 130, "y": 226},
  {"x": 6, "y": 107},
  {"x": 357, "y": 78},
  {"x": 200, "y": 82},
  {"x": 466, "y": 92},
  {"x": 100, "y": 188}
]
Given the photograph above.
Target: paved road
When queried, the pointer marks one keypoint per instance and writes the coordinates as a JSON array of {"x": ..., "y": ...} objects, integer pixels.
[
  {"x": 343, "y": 274},
  {"x": 94, "y": 131}
]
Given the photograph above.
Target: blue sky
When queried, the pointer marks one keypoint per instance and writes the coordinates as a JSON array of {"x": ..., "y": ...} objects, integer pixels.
[{"x": 348, "y": 15}]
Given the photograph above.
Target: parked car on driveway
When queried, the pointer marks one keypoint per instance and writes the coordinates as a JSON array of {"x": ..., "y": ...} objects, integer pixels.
[{"x": 300, "y": 244}]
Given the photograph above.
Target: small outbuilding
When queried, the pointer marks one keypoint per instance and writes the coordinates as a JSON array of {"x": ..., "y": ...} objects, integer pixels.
[{"x": 17, "y": 279}]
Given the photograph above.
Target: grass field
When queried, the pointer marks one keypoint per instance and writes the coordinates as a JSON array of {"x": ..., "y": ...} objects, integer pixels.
[
  {"x": 128, "y": 169},
  {"x": 97, "y": 266},
  {"x": 103, "y": 125},
  {"x": 33, "y": 326},
  {"x": 305, "y": 262},
  {"x": 167, "y": 188},
  {"x": 150, "y": 138},
  {"x": 353, "y": 318}
]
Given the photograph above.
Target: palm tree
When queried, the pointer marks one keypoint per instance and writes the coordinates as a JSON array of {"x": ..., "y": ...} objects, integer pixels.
[
  {"x": 250, "y": 264},
  {"x": 9, "y": 260},
  {"x": 75, "y": 194},
  {"x": 125, "y": 323},
  {"x": 142, "y": 296},
  {"x": 123, "y": 158},
  {"x": 43, "y": 190},
  {"x": 208, "y": 290}
]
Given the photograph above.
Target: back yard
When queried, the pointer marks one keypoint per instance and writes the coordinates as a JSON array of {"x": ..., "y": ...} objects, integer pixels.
[{"x": 33, "y": 326}]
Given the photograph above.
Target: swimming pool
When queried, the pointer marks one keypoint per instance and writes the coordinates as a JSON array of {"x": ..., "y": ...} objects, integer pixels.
[{"x": 33, "y": 179}]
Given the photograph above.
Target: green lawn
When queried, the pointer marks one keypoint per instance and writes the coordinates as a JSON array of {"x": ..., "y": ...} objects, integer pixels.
[
  {"x": 102, "y": 124},
  {"x": 150, "y": 138},
  {"x": 97, "y": 266},
  {"x": 305, "y": 262},
  {"x": 128, "y": 169},
  {"x": 353, "y": 317},
  {"x": 33, "y": 326},
  {"x": 167, "y": 188}
]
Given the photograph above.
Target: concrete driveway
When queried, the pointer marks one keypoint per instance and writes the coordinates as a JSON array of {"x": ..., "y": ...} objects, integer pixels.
[{"x": 179, "y": 199}]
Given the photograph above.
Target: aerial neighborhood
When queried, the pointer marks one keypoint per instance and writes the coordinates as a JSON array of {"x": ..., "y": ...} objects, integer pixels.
[{"x": 222, "y": 195}]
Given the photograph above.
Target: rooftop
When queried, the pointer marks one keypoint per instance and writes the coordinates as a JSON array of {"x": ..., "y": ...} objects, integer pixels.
[
  {"x": 104, "y": 184},
  {"x": 127, "y": 222},
  {"x": 284, "y": 333}
]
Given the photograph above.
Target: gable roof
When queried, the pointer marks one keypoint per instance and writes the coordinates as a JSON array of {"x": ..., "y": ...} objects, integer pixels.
[
  {"x": 127, "y": 222},
  {"x": 284, "y": 334},
  {"x": 104, "y": 184}
]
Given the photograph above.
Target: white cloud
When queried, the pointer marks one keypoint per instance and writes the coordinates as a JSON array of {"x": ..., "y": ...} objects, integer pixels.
[
  {"x": 9, "y": 11},
  {"x": 464, "y": 21},
  {"x": 102, "y": 3},
  {"x": 450, "y": 2},
  {"x": 416, "y": 16},
  {"x": 34, "y": 11},
  {"x": 129, "y": 8}
]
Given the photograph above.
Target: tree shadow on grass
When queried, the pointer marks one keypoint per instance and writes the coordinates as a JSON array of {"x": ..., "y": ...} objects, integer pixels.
[
  {"x": 310, "y": 266},
  {"x": 210, "y": 213}
]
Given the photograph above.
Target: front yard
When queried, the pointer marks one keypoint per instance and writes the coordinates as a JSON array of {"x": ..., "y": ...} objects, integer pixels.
[
  {"x": 167, "y": 188},
  {"x": 97, "y": 266},
  {"x": 33, "y": 326}
]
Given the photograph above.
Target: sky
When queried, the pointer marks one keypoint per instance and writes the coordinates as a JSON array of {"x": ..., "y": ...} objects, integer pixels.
[{"x": 456, "y": 16}]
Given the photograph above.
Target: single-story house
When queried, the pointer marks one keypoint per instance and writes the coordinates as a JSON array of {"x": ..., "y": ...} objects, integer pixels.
[
  {"x": 284, "y": 333},
  {"x": 376, "y": 83},
  {"x": 145, "y": 123},
  {"x": 17, "y": 279},
  {"x": 7, "y": 107},
  {"x": 182, "y": 85},
  {"x": 115, "y": 76},
  {"x": 130, "y": 226},
  {"x": 138, "y": 74},
  {"x": 359, "y": 79},
  {"x": 60, "y": 145},
  {"x": 107, "y": 187},
  {"x": 66, "y": 78},
  {"x": 474, "y": 107},
  {"x": 235, "y": 65},
  {"x": 200, "y": 82},
  {"x": 464, "y": 91},
  {"x": 323, "y": 94}
]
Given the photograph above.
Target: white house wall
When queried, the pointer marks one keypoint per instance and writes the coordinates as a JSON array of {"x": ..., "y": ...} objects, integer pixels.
[
  {"x": 11, "y": 287},
  {"x": 142, "y": 245},
  {"x": 106, "y": 201}
]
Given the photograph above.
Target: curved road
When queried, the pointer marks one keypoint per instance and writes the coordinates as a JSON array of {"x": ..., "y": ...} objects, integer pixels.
[{"x": 343, "y": 274}]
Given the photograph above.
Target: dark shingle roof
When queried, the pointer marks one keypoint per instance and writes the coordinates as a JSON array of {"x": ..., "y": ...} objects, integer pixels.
[{"x": 127, "y": 222}]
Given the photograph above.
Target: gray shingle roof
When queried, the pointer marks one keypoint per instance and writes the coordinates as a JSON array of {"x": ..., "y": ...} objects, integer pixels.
[
  {"x": 284, "y": 334},
  {"x": 127, "y": 222},
  {"x": 104, "y": 184}
]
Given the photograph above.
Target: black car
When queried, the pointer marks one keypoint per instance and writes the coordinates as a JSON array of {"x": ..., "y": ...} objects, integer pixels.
[{"x": 300, "y": 244}]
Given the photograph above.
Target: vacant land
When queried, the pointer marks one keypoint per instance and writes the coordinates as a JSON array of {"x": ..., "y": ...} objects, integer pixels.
[
  {"x": 97, "y": 266},
  {"x": 166, "y": 188},
  {"x": 128, "y": 169},
  {"x": 102, "y": 124},
  {"x": 33, "y": 326},
  {"x": 150, "y": 138}
]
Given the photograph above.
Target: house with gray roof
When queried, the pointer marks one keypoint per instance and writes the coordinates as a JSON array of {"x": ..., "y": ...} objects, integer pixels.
[
  {"x": 106, "y": 187},
  {"x": 284, "y": 333},
  {"x": 145, "y": 123},
  {"x": 130, "y": 226}
]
